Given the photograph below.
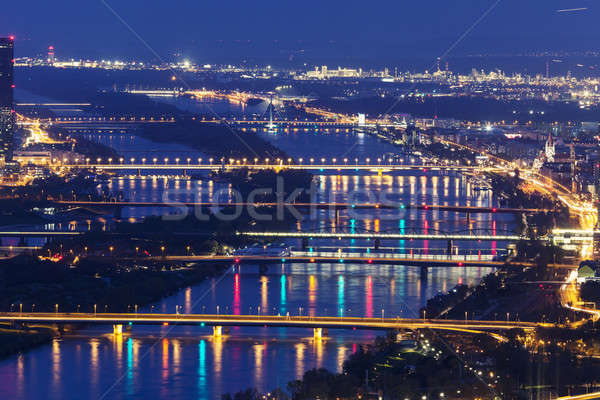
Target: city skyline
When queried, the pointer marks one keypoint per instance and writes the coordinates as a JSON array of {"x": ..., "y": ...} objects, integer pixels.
[{"x": 267, "y": 31}]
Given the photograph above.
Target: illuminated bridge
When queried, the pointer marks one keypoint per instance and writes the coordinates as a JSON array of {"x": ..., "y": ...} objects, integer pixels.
[
  {"x": 292, "y": 124},
  {"x": 308, "y": 235},
  {"x": 318, "y": 324},
  {"x": 386, "y": 236},
  {"x": 151, "y": 166},
  {"x": 300, "y": 205}
]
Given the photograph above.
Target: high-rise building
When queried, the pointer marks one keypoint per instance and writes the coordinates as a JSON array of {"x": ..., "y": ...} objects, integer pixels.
[{"x": 7, "y": 112}]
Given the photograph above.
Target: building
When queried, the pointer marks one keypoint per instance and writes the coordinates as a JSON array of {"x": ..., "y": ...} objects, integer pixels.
[{"x": 7, "y": 112}]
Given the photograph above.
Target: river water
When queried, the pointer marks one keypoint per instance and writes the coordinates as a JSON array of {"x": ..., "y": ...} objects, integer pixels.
[{"x": 187, "y": 362}]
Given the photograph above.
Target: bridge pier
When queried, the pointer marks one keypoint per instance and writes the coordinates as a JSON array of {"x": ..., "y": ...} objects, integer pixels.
[
  {"x": 377, "y": 244},
  {"x": 424, "y": 273},
  {"x": 117, "y": 329},
  {"x": 450, "y": 247},
  {"x": 319, "y": 333},
  {"x": 304, "y": 244},
  {"x": 217, "y": 331}
]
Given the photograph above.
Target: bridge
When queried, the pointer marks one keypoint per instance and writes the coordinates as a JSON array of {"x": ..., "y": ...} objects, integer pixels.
[
  {"x": 239, "y": 164},
  {"x": 424, "y": 261},
  {"x": 386, "y": 236},
  {"x": 318, "y": 324},
  {"x": 303, "y": 205},
  {"x": 300, "y": 235}
]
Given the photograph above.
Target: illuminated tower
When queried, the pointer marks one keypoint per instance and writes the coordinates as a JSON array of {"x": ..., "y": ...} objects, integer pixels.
[
  {"x": 550, "y": 150},
  {"x": 51, "y": 58},
  {"x": 7, "y": 112}
]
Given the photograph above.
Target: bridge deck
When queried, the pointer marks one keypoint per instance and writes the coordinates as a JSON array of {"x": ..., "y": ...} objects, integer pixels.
[{"x": 264, "y": 320}]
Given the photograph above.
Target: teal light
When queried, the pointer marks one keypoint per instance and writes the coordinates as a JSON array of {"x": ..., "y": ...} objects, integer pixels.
[
  {"x": 283, "y": 295},
  {"x": 283, "y": 260},
  {"x": 201, "y": 323}
]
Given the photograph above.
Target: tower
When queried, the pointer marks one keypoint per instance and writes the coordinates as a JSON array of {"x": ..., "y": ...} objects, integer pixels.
[
  {"x": 7, "y": 112},
  {"x": 271, "y": 127},
  {"x": 550, "y": 150},
  {"x": 51, "y": 58}
]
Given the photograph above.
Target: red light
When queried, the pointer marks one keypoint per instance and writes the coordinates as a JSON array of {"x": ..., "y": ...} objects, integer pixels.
[
  {"x": 370, "y": 261},
  {"x": 460, "y": 264},
  {"x": 426, "y": 207},
  {"x": 494, "y": 209},
  {"x": 13, "y": 86},
  {"x": 11, "y": 37},
  {"x": 237, "y": 260},
  {"x": 51, "y": 48}
]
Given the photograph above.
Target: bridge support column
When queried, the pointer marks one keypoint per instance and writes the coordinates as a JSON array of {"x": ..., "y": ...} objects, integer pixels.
[
  {"x": 377, "y": 244},
  {"x": 117, "y": 329},
  {"x": 304, "y": 244},
  {"x": 319, "y": 333},
  {"x": 450, "y": 247},
  {"x": 217, "y": 331},
  {"x": 424, "y": 273}
]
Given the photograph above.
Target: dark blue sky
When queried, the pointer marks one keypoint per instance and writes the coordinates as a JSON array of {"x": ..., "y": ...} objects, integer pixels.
[{"x": 309, "y": 30}]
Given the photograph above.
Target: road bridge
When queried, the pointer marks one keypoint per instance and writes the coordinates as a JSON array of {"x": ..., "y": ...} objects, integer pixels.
[
  {"x": 303, "y": 205},
  {"x": 137, "y": 167},
  {"x": 318, "y": 324},
  {"x": 387, "y": 236}
]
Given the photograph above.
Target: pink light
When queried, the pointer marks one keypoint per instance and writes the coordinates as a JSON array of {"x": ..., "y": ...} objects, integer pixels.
[{"x": 11, "y": 37}]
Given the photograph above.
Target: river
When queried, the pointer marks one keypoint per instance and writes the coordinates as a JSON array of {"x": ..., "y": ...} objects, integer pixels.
[{"x": 187, "y": 362}]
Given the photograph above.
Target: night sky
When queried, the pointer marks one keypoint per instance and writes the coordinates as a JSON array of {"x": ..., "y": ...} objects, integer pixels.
[{"x": 309, "y": 30}]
